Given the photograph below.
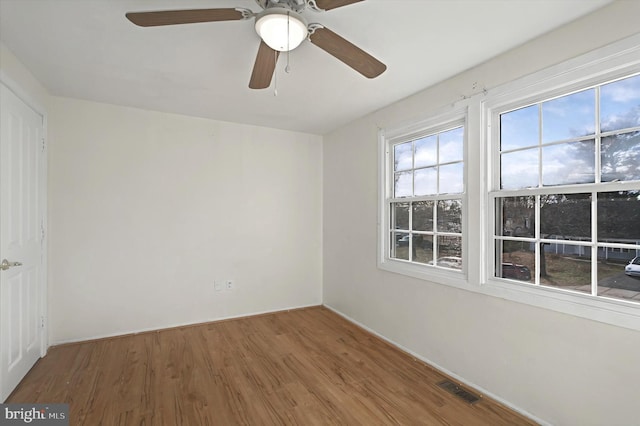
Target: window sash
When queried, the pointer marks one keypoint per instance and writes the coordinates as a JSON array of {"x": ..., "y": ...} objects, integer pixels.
[
  {"x": 410, "y": 133},
  {"x": 495, "y": 193}
]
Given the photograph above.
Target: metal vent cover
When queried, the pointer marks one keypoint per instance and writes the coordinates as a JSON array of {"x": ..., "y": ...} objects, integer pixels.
[{"x": 464, "y": 394}]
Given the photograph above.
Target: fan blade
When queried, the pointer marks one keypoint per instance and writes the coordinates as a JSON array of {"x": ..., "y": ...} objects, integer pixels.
[
  {"x": 264, "y": 66},
  {"x": 347, "y": 52},
  {"x": 172, "y": 17},
  {"x": 333, "y": 4}
]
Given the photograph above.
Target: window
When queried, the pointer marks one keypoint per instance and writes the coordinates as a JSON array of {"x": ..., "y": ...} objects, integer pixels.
[
  {"x": 423, "y": 202},
  {"x": 566, "y": 190},
  {"x": 528, "y": 191}
]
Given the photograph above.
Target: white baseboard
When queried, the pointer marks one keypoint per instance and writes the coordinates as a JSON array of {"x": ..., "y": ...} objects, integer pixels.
[
  {"x": 442, "y": 369},
  {"x": 184, "y": 324}
]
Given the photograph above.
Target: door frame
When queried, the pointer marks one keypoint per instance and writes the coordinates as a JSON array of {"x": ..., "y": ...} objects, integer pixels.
[{"x": 35, "y": 105}]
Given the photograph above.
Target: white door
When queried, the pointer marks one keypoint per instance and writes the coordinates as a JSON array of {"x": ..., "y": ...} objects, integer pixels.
[{"x": 21, "y": 239}]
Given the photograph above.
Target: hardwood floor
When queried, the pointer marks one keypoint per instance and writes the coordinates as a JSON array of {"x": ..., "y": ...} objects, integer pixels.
[{"x": 306, "y": 367}]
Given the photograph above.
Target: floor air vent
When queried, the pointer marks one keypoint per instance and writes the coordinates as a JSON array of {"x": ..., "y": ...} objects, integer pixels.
[{"x": 461, "y": 393}]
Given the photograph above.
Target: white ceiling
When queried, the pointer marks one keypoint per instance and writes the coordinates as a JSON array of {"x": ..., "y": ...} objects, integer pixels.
[{"x": 86, "y": 49}]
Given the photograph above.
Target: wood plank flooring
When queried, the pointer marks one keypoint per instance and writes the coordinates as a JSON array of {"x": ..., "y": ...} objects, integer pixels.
[{"x": 301, "y": 367}]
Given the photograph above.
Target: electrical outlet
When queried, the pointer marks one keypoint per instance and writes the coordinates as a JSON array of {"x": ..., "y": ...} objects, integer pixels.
[{"x": 230, "y": 285}]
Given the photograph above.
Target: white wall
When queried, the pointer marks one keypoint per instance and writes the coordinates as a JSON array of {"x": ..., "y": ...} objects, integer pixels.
[
  {"x": 147, "y": 209},
  {"x": 559, "y": 368},
  {"x": 19, "y": 78}
]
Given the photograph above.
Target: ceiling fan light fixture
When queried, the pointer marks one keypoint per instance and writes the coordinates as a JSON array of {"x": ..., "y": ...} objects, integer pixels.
[{"x": 281, "y": 29}]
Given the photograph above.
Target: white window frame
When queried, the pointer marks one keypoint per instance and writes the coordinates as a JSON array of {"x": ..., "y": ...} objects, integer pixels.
[
  {"x": 612, "y": 62},
  {"x": 449, "y": 118}
]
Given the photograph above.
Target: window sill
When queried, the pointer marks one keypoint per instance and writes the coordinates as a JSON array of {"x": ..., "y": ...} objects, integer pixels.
[
  {"x": 610, "y": 311},
  {"x": 428, "y": 273}
]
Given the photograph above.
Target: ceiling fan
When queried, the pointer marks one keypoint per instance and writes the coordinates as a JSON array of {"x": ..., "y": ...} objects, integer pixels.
[{"x": 281, "y": 28}]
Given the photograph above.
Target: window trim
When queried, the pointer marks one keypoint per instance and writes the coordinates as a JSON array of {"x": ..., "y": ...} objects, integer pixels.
[
  {"x": 442, "y": 120},
  {"x": 611, "y": 62}
]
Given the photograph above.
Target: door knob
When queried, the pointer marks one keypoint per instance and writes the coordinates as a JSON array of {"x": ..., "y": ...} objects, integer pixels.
[{"x": 6, "y": 264}]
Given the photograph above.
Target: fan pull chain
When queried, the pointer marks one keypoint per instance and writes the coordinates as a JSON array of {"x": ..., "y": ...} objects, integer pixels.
[
  {"x": 287, "y": 69},
  {"x": 275, "y": 75}
]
